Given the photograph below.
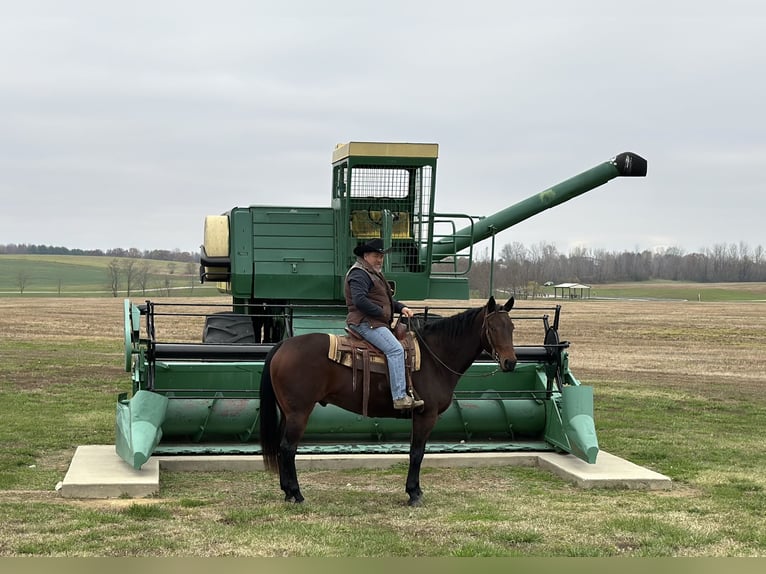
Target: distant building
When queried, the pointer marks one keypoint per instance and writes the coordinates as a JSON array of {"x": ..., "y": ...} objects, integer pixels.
[{"x": 571, "y": 291}]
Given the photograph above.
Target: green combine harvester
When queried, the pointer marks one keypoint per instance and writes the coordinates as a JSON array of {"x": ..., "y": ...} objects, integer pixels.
[{"x": 284, "y": 269}]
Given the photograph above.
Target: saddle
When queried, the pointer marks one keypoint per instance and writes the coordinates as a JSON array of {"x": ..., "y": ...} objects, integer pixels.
[{"x": 362, "y": 357}]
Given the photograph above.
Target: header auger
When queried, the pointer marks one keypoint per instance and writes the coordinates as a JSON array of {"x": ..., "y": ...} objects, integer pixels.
[{"x": 283, "y": 267}]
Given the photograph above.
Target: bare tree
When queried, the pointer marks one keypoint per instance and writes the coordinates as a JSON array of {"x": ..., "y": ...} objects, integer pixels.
[
  {"x": 113, "y": 273},
  {"x": 22, "y": 278},
  {"x": 191, "y": 270},
  {"x": 129, "y": 271},
  {"x": 143, "y": 276},
  {"x": 745, "y": 262}
]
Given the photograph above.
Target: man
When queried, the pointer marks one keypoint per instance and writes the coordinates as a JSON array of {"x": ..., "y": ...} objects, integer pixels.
[{"x": 371, "y": 309}]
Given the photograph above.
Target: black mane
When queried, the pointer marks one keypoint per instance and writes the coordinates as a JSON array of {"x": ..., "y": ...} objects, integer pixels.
[{"x": 452, "y": 327}]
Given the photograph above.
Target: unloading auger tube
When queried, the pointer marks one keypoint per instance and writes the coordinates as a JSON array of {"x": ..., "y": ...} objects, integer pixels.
[
  {"x": 625, "y": 164},
  {"x": 283, "y": 267}
]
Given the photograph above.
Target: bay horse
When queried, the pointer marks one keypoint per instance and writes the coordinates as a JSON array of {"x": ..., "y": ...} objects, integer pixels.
[{"x": 297, "y": 374}]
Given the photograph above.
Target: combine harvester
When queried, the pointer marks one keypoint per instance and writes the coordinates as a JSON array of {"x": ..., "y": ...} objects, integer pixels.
[{"x": 284, "y": 269}]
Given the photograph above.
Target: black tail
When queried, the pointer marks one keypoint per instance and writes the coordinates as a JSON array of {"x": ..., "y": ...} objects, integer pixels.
[{"x": 270, "y": 434}]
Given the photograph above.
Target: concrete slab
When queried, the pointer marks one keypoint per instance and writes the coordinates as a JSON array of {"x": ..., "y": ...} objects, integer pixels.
[
  {"x": 97, "y": 471},
  {"x": 181, "y": 463},
  {"x": 609, "y": 472}
]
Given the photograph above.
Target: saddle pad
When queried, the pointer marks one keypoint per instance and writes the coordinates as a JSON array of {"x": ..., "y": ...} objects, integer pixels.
[{"x": 342, "y": 346}]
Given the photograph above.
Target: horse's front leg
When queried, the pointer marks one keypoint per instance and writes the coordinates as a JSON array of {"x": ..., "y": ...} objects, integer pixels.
[
  {"x": 421, "y": 429},
  {"x": 288, "y": 475},
  {"x": 412, "y": 486}
]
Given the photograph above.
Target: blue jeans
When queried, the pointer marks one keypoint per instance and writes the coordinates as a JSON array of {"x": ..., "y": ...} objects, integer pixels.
[{"x": 384, "y": 339}]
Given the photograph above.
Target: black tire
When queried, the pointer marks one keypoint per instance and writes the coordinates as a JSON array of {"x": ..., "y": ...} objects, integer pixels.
[{"x": 228, "y": 328}]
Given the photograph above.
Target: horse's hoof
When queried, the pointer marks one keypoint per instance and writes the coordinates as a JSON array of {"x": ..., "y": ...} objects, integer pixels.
[{"x": 415, "y": 502}]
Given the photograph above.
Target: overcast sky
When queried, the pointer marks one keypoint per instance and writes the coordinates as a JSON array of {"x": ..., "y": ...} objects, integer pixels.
[{"x": 123, "y": 124}]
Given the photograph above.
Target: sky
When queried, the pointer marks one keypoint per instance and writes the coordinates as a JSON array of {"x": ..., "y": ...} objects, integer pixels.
[{"x": 123, "y": 124}]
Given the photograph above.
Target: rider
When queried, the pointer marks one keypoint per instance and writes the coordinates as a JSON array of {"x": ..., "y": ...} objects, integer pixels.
[{"x": 371, "y": 309}]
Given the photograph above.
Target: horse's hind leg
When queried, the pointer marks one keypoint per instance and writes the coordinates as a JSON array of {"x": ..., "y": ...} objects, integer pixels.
[{"x": 288, "y": 477}]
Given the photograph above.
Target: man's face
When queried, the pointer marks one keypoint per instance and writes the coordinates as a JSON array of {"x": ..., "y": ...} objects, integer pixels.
[{"x": 374, "y": 259}]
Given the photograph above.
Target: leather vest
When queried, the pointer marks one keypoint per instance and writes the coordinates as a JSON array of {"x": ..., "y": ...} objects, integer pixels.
[{"x": 380, "y": 294}]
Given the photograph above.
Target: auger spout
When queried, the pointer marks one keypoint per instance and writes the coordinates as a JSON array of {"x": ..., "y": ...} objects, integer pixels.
[
  {"x": 625, "y": 164},
  {"x": 139, "y": 426},
  {"x": 579, "y": 427}
]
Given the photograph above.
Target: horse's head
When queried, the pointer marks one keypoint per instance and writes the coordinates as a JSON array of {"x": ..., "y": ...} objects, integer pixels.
[{"x": 498, "y": 332}]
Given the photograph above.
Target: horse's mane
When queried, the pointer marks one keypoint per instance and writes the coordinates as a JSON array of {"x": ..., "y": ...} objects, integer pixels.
[{"x": 452, "y": 327}]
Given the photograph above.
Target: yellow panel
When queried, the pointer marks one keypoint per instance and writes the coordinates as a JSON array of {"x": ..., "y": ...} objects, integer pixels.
[
  {"x": 216, "y": 244},
  {"x": 217, "y": 235},
  {"x": 362, "y": 227}
]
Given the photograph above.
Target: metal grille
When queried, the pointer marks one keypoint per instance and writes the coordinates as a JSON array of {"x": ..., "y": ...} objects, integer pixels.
[
  {"x": 396, "y": 196},
  {"x": 377, "y": 182},
  {"x": 422, "y": 204}
]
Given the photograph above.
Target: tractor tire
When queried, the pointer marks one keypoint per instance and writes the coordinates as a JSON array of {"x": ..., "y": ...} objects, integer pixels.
[{"x": 228, "y": 328}]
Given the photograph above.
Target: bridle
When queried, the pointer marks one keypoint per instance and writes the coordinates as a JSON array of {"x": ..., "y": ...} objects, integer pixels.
[{"x": 485, "y": 331}]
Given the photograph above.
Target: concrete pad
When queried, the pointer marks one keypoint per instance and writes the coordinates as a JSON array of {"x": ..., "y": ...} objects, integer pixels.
[
  {"x": 97, "y": 471},
  {"x": 609, "y": 472},
  {"x": 246, "y": 463}
]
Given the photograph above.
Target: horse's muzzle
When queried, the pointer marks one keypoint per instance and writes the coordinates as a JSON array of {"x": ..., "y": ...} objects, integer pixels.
[{"x": 508, "y": 365}]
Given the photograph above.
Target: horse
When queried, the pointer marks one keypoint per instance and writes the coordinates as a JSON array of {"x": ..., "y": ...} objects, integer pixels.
[{"x": 297, "y": 374}]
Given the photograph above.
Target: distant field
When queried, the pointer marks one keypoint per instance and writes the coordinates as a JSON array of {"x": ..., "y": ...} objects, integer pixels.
[
  {"x": 89, "y": 276},
  {"x": 710, "y": 292}
]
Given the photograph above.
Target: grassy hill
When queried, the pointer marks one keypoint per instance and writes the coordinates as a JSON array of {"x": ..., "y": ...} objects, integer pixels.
[
  {"x": 89, "y": 276},
  {"x": 68, "y": 275}
]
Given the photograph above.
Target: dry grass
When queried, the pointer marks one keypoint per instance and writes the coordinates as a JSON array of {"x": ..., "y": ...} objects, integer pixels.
[{"x": 683, "y": 345}]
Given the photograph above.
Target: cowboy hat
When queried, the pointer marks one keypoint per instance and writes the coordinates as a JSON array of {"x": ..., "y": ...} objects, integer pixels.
[{"x": 375, "y": 245}]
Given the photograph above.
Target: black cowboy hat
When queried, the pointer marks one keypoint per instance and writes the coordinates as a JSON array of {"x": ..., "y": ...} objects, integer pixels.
[{"x": 375, "y": 245}]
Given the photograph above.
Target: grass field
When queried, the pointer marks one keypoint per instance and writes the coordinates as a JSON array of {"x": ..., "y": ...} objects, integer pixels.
[
  {"x": 679, "y": 388},
  {"x": 700, "y": 292},
  {"x": 89, "y": 276}
]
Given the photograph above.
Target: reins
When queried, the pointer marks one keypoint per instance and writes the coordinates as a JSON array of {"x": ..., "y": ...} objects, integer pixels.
[{"x": 484, "y": 331}]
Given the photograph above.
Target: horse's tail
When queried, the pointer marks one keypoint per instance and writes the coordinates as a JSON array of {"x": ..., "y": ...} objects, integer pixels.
[{"x": 270, "y": 433}]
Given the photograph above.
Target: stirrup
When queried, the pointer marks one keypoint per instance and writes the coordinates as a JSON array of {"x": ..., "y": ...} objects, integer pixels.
[{"x": 407, "y": 402}]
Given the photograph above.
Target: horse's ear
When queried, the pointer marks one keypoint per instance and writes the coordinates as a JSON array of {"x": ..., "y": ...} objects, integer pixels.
[
  {"x": 509, "y": 304},
  {"x": 491, "y": 304}
]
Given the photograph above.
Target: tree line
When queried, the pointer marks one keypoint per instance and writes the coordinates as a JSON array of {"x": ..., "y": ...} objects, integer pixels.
[
  {"x": 128, "y": 275},
  {"x": 517, "y": 268},
  {"x": 132, "y": 252},
  {"x": 522, "y": 269}
]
